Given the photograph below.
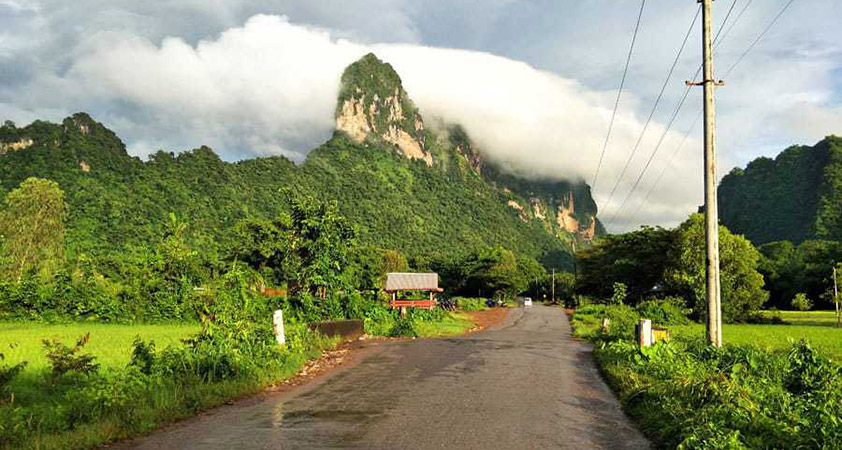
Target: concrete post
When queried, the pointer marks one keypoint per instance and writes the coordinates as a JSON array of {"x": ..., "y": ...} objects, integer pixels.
[
  {"x": 606, "y": 324},
  {"x": 278, "y": 320},
  {"x": 644, "y": 330}
]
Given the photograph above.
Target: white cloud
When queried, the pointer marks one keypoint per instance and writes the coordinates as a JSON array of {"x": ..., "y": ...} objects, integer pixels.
[{"x": 267, "y": 85}]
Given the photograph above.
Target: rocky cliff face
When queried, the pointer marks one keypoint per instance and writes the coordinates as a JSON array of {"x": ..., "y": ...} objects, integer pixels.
[{"x": 373, "y": 105}]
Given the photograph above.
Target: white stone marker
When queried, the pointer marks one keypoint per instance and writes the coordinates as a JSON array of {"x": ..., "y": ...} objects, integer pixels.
[
  {"x": 645, "y": 330},
  {"x": 278, "y": 320}
]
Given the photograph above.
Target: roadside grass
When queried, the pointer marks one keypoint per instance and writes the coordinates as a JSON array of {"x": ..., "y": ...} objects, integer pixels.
[
  {"x": 770, "y": 386},
  {"x": 827, "y": 339},
  {"x": 110, "y": 343},
  {"x": 150, "y": 400},
  {"x": 169, "y": 401},
  {"x": 815, "y": 318},
  {"x": 452, "y": 324}
]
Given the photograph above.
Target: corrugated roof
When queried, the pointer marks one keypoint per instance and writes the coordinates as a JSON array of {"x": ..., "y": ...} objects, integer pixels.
[{"x": 412, "y": 282}]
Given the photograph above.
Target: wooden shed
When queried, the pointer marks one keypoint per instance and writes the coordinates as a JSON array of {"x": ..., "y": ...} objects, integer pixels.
[{"x": 413, "y": 290}]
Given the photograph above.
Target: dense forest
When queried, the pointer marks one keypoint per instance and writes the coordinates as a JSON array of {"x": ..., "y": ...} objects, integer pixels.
[{"x": 795, "y": 197}]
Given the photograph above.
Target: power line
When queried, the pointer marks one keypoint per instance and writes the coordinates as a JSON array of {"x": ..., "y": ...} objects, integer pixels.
[
  {"x": 669, "y": 125},
  {"x": 728, "y": 72},
  {"x": 619, "y": 93},
  {"x": 652, "y": 155},
  {"x": 718, "y": 40},
  {"x": 664, "y": 169},
  {"x": 654, "y": 107},
  {"x": 760, "y": 36}
]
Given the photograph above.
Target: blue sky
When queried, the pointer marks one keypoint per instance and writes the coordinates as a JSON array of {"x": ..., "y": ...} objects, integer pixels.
[{"x": 532, "y": 81}]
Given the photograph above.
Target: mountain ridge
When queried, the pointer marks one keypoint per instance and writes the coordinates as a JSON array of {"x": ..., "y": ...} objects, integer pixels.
[
  {"x": 445, "y": 198},
  {"x": 796, "y": 196}
]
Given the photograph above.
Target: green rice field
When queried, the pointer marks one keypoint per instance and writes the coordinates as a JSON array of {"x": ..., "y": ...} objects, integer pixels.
[
  {"x": 110, "y": 343},
  {"x": 818, "y": 327}
]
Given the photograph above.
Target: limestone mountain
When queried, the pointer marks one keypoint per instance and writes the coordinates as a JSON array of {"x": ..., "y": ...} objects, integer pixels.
[
  {"x": 373, "y": 106},
  {"x": 405, "y": 187},
  {"x": 796, "y": 196}
]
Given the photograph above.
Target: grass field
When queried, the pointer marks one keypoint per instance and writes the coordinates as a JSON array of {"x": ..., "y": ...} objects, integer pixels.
[
  {"x": 818, "y": 327},
  {"x": 455, "y": 323},
  {"x": 815, "y": 318},
  {"x": 773, "y": 337},
  {"x": 110, "y": 343}
]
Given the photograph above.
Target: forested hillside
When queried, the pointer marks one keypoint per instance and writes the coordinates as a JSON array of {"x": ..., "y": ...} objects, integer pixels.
[
  {"x": 430, "y": 203},
  {"x": 795, "y": 197}
]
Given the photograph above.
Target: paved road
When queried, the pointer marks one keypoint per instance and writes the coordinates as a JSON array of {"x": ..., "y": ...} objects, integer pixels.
[{"x": 523, "y": 384}]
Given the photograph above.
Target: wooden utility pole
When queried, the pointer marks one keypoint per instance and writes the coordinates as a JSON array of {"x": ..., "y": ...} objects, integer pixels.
[
  {"x": 836, "y": 298},
  {"x": 553, "y": 285},
  {"x": 712, "y": 289}
]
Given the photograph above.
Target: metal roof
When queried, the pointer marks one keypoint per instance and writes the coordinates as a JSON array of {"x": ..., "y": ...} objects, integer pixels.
[{"x": 412, "y": 282}]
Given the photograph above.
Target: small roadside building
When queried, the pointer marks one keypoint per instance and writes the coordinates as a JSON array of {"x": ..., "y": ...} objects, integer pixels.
[{"x": 412, "y": 290}]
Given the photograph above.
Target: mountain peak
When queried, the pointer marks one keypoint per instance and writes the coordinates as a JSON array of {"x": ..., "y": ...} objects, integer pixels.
[{"x": 373, "y": 105}]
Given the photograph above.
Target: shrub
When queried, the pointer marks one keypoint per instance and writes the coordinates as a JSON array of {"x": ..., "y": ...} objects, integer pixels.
[
  {"x": 619, "y": 295},
  {"x": 64, "y": 359},
  {"x": 403, "y": 327},
  {"x": 623, "y": 320},
  {"x": 666, "y": 311},
  {"x": 469, "y": 304},
  {"x": 801, "y": 302},
  {"x": 7, "y": 373}
]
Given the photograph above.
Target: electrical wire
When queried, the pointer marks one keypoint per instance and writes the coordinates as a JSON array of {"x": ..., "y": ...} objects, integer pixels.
[
  {"x": 655, "y": 106},
  {"x": 619, "y": 93}
]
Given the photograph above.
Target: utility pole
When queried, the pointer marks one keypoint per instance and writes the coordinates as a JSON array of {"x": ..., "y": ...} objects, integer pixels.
[
  {"x": 836, "y": 298},
  {"x": 553, "y": 285},
  {"x": 712, "y": 287}
]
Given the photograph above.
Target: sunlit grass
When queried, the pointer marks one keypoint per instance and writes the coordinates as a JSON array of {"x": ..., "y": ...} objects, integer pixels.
[
  {"x": 453, "y": 324},
  {"x": 110, "y": 343},
  {"x": 827, "y": 339}
]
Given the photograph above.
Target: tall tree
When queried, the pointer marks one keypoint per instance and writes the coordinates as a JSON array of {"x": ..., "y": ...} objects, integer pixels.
[
  {"x": 32, "y": 224},
  {"x": 741, "y": 283}
]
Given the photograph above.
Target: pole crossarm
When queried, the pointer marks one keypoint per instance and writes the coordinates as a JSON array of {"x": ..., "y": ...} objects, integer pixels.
[{"x": 702, "y": 83}]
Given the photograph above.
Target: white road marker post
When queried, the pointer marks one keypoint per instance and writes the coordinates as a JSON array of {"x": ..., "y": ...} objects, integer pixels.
[
  {"x": 644, "y": 330},
  {"x": 278, "y": 320}
]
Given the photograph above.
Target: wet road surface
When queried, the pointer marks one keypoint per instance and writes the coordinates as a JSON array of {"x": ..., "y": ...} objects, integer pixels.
[{"x": 523, "y": 384}]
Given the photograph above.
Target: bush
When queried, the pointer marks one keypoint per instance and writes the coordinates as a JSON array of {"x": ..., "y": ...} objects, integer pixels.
[
  {"x": 666, "y": 311},
  {"x": 64, "y": 359},
  {"x": 801, "y": 302},
  {"x": 7, "y": 373},
  {"x": 619, "y": 296},
  {"x": 733, "y": 397},
  {"x": 623, "y": 320},
  {"x": 469, "y": 304},
  {"x": 403, "y": 327}
]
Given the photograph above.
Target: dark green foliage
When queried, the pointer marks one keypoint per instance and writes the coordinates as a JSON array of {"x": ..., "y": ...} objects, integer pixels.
[
  {"x": 740, "y": 282},
  {"x": 664, "y": 311},
  {"x": 806, "y": 268},
  {"x": 795, "y": 197},
  {"x": 686, "y": 394},
  {"x": 403, "y": 327},
  {"x": 727, "y": 398},
  {"x": 143, "y": 355},
  {"x": 637, "y": 259},
  {"x": 64, "y": 359},
  {"x": 7, "y": 373},
  {"x": 657, "y": 262}
]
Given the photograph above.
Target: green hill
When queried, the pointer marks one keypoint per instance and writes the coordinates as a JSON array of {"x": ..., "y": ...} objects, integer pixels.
[
  {"x": 405, "y": 186},
  {"x": 796, "y": 197}
]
